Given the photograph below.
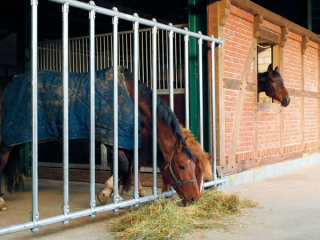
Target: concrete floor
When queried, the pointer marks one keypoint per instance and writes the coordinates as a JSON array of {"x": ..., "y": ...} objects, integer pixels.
[{"x": 290, "y": 210}]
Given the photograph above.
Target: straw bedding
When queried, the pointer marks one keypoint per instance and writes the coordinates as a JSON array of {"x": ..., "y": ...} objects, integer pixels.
[{"x": 167, "y": 219}]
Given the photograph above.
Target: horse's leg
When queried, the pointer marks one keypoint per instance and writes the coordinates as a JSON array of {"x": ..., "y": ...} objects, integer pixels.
[
  {"x": 4, "y": 156},
  {"x": 105, "y": 192},
  {"x": 142, "y": 192}
]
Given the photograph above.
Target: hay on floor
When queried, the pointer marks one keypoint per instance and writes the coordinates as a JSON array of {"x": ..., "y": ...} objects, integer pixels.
[{"x": 167, "y": 219}]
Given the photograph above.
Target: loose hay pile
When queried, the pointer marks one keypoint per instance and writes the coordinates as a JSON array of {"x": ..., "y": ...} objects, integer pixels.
[{"x": 167, "y": 219}]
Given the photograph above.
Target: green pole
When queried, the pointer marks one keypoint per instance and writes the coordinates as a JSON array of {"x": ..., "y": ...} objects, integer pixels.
[{"x": 198, "y": 21}]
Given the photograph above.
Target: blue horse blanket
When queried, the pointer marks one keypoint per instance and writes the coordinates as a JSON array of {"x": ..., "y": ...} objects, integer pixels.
[{"x": 17, "y": 118}]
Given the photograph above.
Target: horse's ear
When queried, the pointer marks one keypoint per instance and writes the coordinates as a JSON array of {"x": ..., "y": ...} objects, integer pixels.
[
  {"x": 179, "y": 145},
  {"x": 277, "y": 70},
  {"x": 270, "y": 68}
]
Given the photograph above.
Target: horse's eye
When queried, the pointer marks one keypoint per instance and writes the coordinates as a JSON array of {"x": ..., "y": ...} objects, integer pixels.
[
  {"x": 181, "y": 167},
  {"x": 272, "y": 80}
]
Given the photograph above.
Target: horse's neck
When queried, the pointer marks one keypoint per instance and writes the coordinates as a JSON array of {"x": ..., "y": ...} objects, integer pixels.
[
  {"x": 262, "y": 79},
  {"x": 166, "y": 140}
]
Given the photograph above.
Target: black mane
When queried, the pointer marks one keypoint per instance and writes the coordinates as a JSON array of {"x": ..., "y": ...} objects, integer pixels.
[{"x": 163, "y": 111}]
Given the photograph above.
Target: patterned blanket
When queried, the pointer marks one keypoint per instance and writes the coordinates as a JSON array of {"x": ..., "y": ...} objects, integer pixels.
[{"x": 16, "y": 111}]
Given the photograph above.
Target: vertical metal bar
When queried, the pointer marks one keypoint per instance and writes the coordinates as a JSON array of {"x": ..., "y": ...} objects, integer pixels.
[
  {"x": 200, "y": 91},
  {"x": 180, "y": 63},
  {"x": 100, "y": 53},
  {"x": 80, "y": 64},
  {"x": 111, "y": 50},
  {"x": 73, "y": 67},
  {"x": 69, "y": 56},
  {"x": 154, "y": 109},
  {"x": 96, "y": 55},
  {"x": 213, "y": 111},
  {"x": 108, "y": 50},
  {"x": 53, "y": 57},
  {"x": 34, "y": 74},
  {"x": 135, "y": 97},
  {"x": 142, "y": 63},
  {"x": 122, "y": 50},
  {"x": 65, "y": 36},
  {"x": 171, "y": 69},
  {"x": 115, "y": 110},
  {"x": 104, "y": 52},
  {"x": 83, "y": 56},
  {"x": 92, "y": 16},
  {"x": 163, "y": 78},
  {"x": 47, "y": 55},
  {"x": 76, "y": 55},
  {"x": 147, "y": 62},
  {"x": 131, "y": 51},
  {"x": 167, "y": 58},
  {"x": 175, "y": 60},
  {"x": 186, "y": 78},
  {"x": 87, "y": 55},
  {"x": 127, "y": 65},
  {"x": 159, "y": 77}
]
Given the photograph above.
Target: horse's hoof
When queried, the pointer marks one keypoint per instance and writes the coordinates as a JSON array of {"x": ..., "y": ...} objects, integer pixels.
[
  {"x": 102, "y": 197},
  {"x": 120, "y": 198},
  {"x": 3, "y": 205},
  {"x": 142, "y": 193}
]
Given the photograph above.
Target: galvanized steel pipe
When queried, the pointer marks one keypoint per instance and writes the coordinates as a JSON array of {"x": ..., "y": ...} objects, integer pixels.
[
  {"x": 65, "y": 80},
  {"x": 34, "y": 74}
]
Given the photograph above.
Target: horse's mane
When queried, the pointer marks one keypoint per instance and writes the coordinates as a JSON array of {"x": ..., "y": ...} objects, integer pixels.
[
  {"x": 205, "y": 160},
  {"x": 164, "y": 113}
]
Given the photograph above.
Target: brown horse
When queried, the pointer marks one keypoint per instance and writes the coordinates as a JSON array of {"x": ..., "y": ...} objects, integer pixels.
[
  {"x": 203, "y": 159},
  {"x": 176, "y": 155},
  {"x": 272, "y": 84},
  {"x": 170, "y": 141}
]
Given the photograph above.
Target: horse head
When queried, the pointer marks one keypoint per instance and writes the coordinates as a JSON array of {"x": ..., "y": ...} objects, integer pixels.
[
  {"x": 179, "y": 172},
  {"x": 203, "y": 160},
  {"x": 272, "y": 84}
]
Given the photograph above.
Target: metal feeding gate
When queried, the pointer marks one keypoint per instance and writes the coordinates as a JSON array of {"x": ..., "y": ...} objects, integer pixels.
[
  {"x": 66, "y": 215},
  {"x": 50, "y": 55}
]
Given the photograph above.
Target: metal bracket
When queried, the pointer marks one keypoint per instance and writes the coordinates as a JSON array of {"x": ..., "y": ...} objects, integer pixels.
[
  {"x": 137, "y": 21},
  {"x": 65, "y": 8},
  {"x": 92, "y": 13},
  {"x": 34, "y": 2},
  {"x": 65, "y": 212},
  {"x": 115, "y": 17}
]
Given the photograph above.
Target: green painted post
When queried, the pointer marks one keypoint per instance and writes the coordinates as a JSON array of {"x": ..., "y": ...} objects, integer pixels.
[{"x": 198, "y": 21}]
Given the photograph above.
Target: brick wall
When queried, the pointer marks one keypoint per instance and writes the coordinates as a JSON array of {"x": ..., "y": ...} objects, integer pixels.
[
  {"x": 238, "y": 37},
  {"x": 311, "y": 124},
  {"x": 238, "y": 32},
  {"x": 292, "y": 79}
]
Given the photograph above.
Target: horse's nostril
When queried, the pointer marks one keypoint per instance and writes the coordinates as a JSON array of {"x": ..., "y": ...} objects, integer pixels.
[
  {"x": 286, "y": 101},
  {"x": 192, "y": 199}
]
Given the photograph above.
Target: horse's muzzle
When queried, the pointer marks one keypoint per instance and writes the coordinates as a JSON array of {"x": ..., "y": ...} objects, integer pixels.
[{"x": 285, "y": 102}]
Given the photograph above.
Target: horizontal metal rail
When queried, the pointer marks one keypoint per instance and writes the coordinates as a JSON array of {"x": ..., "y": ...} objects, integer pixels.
[{"x": 132, "y": 18}]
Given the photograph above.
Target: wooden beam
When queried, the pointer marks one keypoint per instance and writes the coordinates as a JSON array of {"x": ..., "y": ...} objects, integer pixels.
[
  {"x": 259, "y": 162},
  {"x": 248, "y": 65},
  {"x": 304, "y": 45},
  {"x": 255, "y": 102},
  {"x": 257, "y": 25},
  {"x": 218, "y": 12},
  {"x": 274, "y": 18}
]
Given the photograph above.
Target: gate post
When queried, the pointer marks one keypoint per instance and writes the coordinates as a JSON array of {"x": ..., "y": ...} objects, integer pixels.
[{"x": 198, "y": 22}]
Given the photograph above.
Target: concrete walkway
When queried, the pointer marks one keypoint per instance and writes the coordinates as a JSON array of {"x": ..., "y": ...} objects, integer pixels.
[{"x": 290, "y": 210}]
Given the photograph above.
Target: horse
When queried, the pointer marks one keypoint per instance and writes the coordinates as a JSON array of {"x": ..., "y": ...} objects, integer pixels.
[
  {"x": 272, "y": 84},
  {"x": 203, "y": 159},
  {"x": 171, "y": 144}
]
